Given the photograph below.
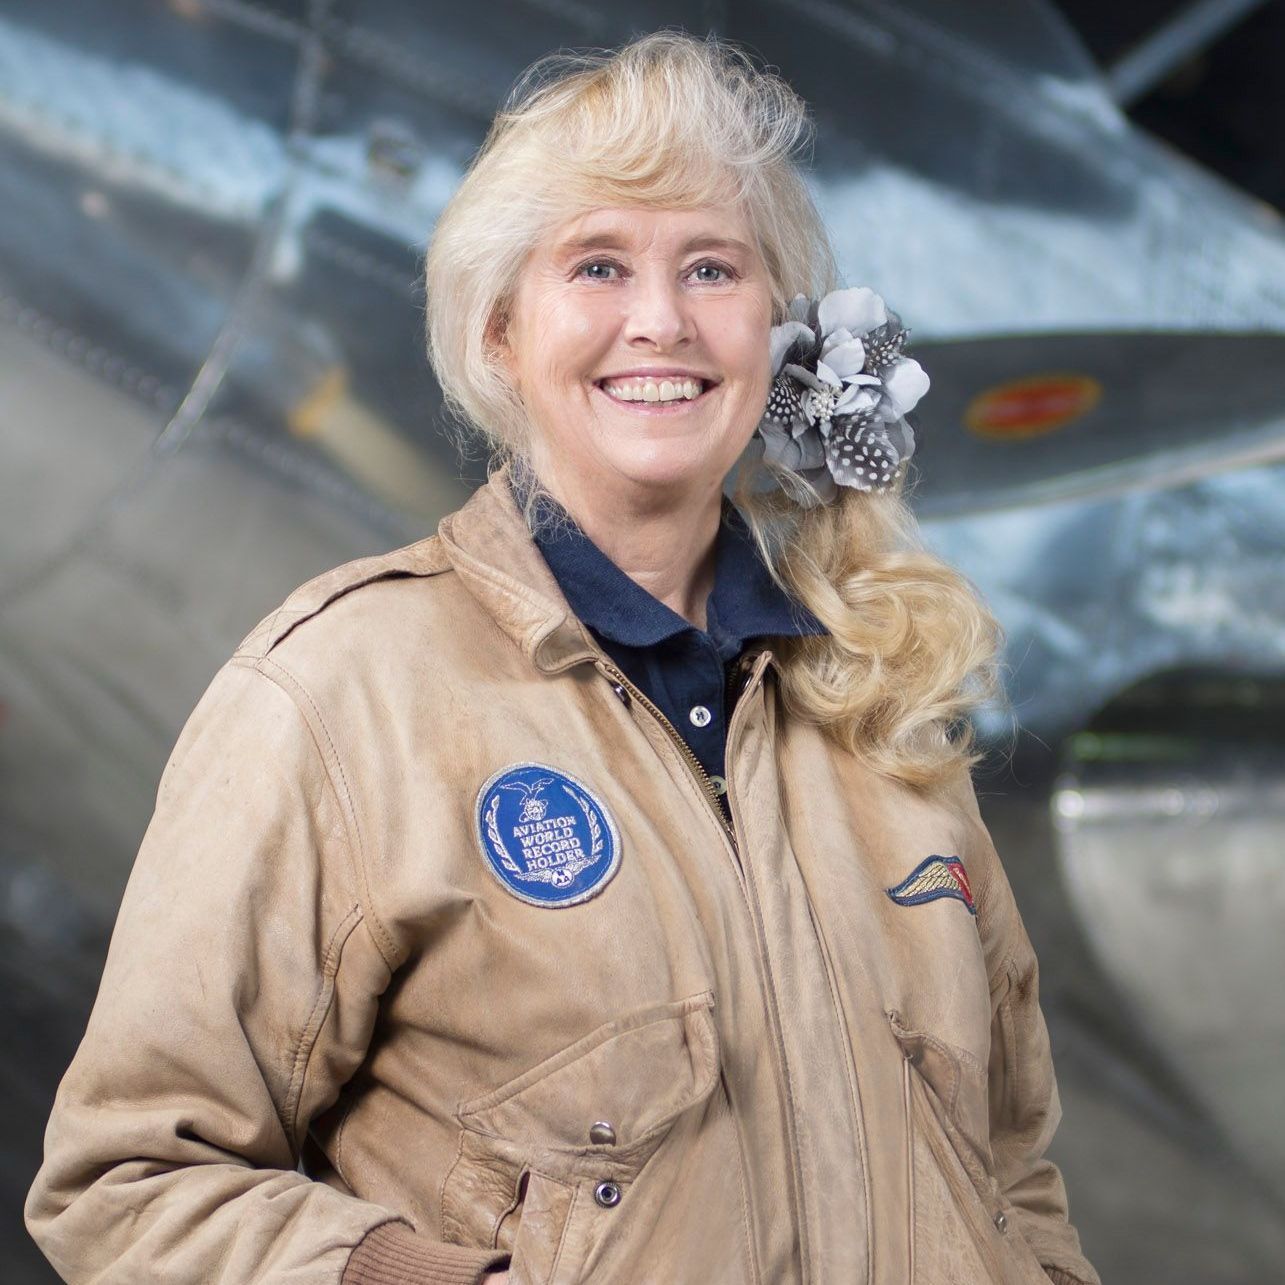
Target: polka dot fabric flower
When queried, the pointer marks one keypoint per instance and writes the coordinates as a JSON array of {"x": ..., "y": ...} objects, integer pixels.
[{"x": 841, "y": 390}]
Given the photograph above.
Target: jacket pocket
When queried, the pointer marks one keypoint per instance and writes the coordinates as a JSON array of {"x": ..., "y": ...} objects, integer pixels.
[
  {"x": 530, "y": 1178},
  {"x": 959, "y": 1222}
]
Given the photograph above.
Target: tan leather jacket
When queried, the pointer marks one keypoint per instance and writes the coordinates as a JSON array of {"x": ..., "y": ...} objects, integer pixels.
[{"x": 332, "y": 1043}]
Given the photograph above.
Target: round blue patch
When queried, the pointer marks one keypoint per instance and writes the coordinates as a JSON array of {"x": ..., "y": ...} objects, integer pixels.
[{"x": 546, "y": 836}]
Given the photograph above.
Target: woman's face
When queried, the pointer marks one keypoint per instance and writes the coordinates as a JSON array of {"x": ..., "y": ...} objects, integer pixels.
[{"x": 638, "y": 339}]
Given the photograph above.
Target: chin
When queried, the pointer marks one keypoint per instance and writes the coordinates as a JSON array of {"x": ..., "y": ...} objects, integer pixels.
[{"x": 667, "y": 465}]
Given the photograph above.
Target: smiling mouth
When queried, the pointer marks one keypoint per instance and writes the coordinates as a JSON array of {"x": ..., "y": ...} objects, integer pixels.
[{"x": 654, "y": 392}]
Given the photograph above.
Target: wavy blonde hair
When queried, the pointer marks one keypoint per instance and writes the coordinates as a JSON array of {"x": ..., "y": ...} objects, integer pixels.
[{"x": 672, "y": 121}]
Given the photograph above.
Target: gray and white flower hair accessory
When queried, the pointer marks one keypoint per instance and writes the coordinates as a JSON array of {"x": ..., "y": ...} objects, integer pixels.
[{"x": 841, "y": 391}]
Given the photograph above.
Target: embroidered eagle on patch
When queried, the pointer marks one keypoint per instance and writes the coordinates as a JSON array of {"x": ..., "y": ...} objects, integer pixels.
[{"x": 932, "y": 878}]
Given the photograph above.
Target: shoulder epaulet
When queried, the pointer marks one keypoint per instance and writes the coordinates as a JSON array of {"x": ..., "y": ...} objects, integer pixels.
[{"x": 424, "y": 558}]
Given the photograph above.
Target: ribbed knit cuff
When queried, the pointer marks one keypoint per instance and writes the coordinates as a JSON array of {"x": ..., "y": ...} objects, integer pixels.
[{"x": 392, "y": 1254}]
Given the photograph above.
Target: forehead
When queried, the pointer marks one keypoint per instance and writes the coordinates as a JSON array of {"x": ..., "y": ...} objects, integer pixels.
[{"x": 639, "y": 228}]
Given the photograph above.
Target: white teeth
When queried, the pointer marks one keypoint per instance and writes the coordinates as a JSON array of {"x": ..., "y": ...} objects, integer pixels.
[{"x": 651, "y": 390}]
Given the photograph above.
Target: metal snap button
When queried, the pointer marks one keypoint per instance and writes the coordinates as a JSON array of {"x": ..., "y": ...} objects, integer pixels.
[
  {"x": 621, "y": 692},
  {"x": 700, "y": 716},
  {"x": 602, "y": 1134},
  {"x": 1001, "y": 1222},
  {"x": 607, "y": 1194}
]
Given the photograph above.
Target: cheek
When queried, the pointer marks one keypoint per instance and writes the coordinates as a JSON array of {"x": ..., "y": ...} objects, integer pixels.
[
  {"x": 741, "y": 336},
  {"x": 571, "y": 335}
]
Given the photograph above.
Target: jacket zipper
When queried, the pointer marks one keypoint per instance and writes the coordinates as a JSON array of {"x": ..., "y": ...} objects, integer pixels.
[
  {"x": 697, "y": 767},
  {"x": 774, "y": 1009},
  {"x": 729, "y": 830}
]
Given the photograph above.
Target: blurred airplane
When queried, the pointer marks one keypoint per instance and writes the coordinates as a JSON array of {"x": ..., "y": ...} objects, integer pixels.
[{"x": 212, "y": 387}]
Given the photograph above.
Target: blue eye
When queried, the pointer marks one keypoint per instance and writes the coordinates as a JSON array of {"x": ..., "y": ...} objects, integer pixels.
[
  {"x": 606, "y": 266},
  {"x": 724, "y": 271}
]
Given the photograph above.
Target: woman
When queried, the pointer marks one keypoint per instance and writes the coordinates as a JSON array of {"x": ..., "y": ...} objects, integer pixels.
[{"x": 594, "y": 890}]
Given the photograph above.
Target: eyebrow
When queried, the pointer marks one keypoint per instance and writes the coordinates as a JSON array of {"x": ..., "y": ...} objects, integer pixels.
[{"x": 614, "y": 241}]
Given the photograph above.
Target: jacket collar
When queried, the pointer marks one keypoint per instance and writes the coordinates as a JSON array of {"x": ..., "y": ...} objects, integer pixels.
[
  {"x": 745, "y": 603},
  {"x": 492, "y": 551}
]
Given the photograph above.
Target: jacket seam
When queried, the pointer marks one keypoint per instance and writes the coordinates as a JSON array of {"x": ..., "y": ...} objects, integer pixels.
[
  {"x": 792, "y": 1119},
  {"x": 1007, "y": 960},
  {"x": 1008, "y": 1030},
  {"x": 321, "y": 1006},
  {"x": 795, "y": 1160},
  {"x": 687, "y": 1006},
  {"x": 314, "y": 596},
  {"x": 985, "y": 868},
  {"x": 330, "y": 754},
  {"x": 504, "y": 584},
  {"x": 272, "y": 624},
  {"x": 850, "y": 1067},
  {"x": 746, "y": 1221},
  {"x": 995, "y": 901},
  {"x": 849, "y": 1074},
  {"x": 338, "y": 1160},
  {"x": 446, "y": 1182},
  {"x": 566, "y": 1227}
]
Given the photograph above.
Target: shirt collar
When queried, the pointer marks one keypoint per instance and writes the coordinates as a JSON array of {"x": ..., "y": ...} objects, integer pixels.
[{"x": 745, "y": 603}]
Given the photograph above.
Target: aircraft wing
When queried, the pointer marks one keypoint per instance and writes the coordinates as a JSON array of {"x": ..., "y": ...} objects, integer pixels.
[{"x": 1019, "y": 420}]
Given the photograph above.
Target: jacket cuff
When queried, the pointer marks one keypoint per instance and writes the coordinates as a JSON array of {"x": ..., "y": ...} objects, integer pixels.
[{"x": 392, "y": 1254}]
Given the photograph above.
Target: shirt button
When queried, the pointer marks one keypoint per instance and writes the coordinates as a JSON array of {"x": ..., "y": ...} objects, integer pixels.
[
  {"x": 700, "y": 716},
  {"x": 719, "y": 784}
]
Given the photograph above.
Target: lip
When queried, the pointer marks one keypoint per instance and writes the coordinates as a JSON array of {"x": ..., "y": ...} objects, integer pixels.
[
  {"x": 658, "y": 408},
  {"x": 643, "y": 407},
  {"x": 658, "y": 372}
]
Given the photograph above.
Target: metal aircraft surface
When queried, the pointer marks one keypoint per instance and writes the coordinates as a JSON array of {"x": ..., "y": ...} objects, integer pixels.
[{"x": 212, "y": 387}]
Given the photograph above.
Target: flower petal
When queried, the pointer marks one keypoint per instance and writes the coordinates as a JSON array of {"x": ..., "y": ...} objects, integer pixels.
[
  {"x": 836, "y": 337},
  {"x": 778, "y": 447},
  {"x": 824, "y": 485},
  {"x": 905, "y": 383},
  {"x": 828, "y": 375},
  {"x": 846, "y": 359},
  {"x": 805, "y": 457},
  {"x": 858, "y": 310},
  {"x": 802, "y": 375},
  {"x": 901, "y": 437},
  {"x": 811, "y": 452},
  {"x": 802, "y": 425},
  {"x": 855, "y": 399},
  {"x": 784, "y": 337},
  {"x": 801, "y": 309}
]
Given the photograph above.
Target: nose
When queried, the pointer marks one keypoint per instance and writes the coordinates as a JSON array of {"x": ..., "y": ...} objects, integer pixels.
[{"x": 659, "y": 314}]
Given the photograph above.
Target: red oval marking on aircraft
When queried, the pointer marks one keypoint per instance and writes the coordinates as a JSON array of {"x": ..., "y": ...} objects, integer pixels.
[{"x": 1033, "y": 405}]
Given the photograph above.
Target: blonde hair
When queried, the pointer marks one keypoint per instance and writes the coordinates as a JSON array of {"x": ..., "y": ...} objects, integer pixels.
[{"x": 672, "y": 121}]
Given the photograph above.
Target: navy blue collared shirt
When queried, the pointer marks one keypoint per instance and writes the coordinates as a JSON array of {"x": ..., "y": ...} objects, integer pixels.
[{"x": 683, "y": 670}]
